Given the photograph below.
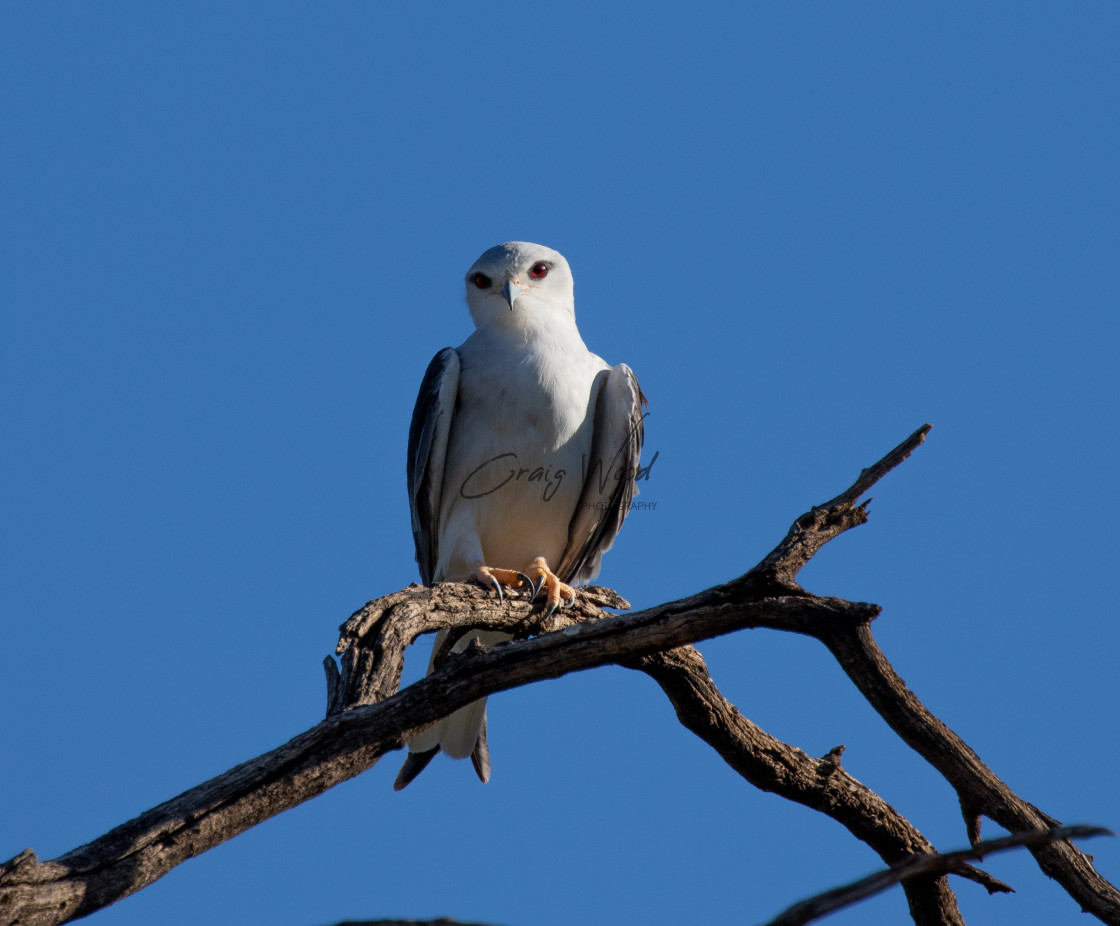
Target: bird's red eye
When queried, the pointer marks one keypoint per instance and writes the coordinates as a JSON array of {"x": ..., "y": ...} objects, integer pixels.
[
  {"x": 539, "y": 270},
  {"x": 481, "y": 280}
]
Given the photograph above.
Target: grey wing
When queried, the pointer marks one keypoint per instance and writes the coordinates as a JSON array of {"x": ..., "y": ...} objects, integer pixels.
[
  {"x": 616, "y": 450},
  {"x": 427, "y": 455}
]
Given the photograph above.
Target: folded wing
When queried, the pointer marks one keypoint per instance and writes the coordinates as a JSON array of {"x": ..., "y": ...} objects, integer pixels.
[
  {"x": 608, "y": 486},
  {"x": 427, "y": 455}
]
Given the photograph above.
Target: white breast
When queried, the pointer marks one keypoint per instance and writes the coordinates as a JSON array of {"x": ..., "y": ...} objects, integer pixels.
[{"x": 520, "y": 438}]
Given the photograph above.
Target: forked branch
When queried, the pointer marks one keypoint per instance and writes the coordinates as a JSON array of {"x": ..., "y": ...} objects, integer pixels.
[{"x": 368, "y": 717}]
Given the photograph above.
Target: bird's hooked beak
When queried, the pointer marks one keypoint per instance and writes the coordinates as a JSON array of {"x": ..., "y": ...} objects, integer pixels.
[{"x": 510, "y": 291}]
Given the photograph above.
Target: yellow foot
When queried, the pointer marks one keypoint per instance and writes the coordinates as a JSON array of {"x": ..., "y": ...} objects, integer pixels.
[
  {"x": 492, "y": 577},
  {"x": 559, "y": 595}
]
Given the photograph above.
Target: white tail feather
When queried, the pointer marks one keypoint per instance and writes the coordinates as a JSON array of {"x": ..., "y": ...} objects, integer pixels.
[
  {"x": 461, "y": 729},
  {"x": 458, "y": 733}
]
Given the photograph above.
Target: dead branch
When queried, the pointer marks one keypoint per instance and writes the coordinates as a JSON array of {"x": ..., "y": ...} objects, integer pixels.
[
  {"x": 34, "y": 893},
  {"x": 822, "y": 784},
  {"x": 368, "y": 717},
  {"x": 979, "y": 789},
  {"x": 813, "y": 908}
]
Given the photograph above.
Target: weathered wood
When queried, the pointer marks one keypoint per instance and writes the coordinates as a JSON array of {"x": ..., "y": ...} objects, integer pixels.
[
  {"x": 367, "y": 717},
  {"x": 144, "y": 849},
  {"x": 980, "y": 790},
  {"x": 922, "y": 866},
  {"x": 822, "y": 784}
]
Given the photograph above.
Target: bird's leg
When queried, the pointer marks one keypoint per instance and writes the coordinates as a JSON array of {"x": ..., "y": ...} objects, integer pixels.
[
  {"x": 559, "y": 594},
  {"x": 495, "y": 578}
]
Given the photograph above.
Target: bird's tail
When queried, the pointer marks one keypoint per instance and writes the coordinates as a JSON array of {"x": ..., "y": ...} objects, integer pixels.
[{"x": 460, "y": 734}]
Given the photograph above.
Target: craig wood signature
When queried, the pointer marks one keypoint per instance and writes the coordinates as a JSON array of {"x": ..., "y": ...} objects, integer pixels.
[{"x": 499, "y": 471}]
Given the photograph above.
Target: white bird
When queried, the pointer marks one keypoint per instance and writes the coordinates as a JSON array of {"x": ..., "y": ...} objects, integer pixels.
[{"x": 522, "y": 458}]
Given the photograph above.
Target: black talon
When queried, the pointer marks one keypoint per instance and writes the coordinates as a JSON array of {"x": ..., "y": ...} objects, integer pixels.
[
  {"x": 569, "y": 602},
  {"x": 497, "y": 586},
  {"x": 548, "y": 610},
  {"x": 525, "y": 580},
  {"x": 536, "y": 589}
]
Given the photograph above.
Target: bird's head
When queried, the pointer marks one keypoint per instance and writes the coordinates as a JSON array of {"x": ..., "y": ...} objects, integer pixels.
[{"x": 517, "y": 282}]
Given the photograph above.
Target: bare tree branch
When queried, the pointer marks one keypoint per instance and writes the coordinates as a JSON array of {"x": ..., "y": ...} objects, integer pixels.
[
  {"x": 367, "y": 717},
  {"x": 813, "y": 908},
  {"x": 822, "y": 784},
  {"x": 818, "y": 526},
  {"x": 979, "y": 789},
  {"x": 139, "y": 852}
]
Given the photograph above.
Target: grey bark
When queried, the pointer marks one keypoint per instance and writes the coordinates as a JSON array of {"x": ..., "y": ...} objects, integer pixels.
[
  {"x": 368, "y": 716},
  {"x": 813, "y": 908}
]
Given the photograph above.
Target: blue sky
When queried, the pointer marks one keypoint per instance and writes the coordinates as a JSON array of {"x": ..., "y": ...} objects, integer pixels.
[{"x": 232, "y": 236}]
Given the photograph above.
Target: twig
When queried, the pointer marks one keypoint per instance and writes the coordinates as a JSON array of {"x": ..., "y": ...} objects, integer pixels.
[{"x": 814, "y": 908}]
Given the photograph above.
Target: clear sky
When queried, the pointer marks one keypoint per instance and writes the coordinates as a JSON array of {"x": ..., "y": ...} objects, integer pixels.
[{"x": 233, "y": 234}]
